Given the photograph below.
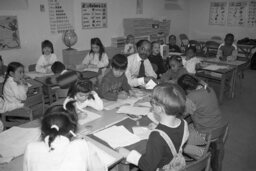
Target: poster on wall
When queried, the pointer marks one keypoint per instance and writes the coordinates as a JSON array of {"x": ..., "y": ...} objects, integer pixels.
[
  {"x": 218, "y": 12},
  {"x": 139, "y": 9},
  {"x": 60, "y": 15},
  {"x": 9, "y": 33},
  {"x": 251, "y": 19},
  {"x": 94, "y": 15},
  {"x": 237, "y": 13}
]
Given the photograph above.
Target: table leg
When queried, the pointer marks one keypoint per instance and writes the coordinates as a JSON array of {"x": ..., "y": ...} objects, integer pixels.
[{"x": 222, "y": 87}]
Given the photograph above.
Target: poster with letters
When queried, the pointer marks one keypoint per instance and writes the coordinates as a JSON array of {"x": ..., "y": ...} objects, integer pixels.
[
  {"x": 251, "y": 18},
  {"x": 218, "y": 12},
  {"x": 94, "y": 15},
  {"x": 237, "y": 13}
]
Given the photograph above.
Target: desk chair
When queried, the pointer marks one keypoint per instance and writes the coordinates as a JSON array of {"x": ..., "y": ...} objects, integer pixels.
[
  {"x": 201, "y": 164},
  {"x": 16, "y": 117},
  {"x": 61, "y": 93},
  {"x": 211, "y": 48},
  {"x": 218, "y": 38},
  {"x": 31, "y": 67},
  {"x": 198, "y": 46}
]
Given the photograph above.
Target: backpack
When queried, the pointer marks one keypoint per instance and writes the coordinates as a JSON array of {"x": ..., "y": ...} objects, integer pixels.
[
  {"x": 253, "y": 61},
  {"x": 178, "y": 162}
]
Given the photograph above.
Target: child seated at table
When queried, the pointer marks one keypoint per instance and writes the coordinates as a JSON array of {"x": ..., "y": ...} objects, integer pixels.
[
  {"x": 58, "y": 150},
  {"x": 48, "y": 57},
  {"x": 156, "y": 59},
  {"x": 63, "y": 77},
  {"x": 173, "y": 47},
  {"x": 191, "y": 62},
  {"x": 203, "y": 106},
  {"x": 114, "y": 84},
  {"x": 168, "y": 103},
  {"x": 227, "y": 51},
  {"x": 82, "y": 93},
  {"x": 14, "y": 88},
  {"x": 176, "y": 70},
  {"x": 129, "y": 47}
]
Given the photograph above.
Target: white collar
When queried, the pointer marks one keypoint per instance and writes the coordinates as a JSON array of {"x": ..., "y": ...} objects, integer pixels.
[{"x": 59, "y": 142}]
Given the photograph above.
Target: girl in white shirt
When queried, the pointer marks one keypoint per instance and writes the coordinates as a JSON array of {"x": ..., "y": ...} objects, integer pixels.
[
  {"x": 82, "y": 93},
  {"x": 14, "y": 88},
  {"x": 47, "y": 58},
  {"x": 57, "y": 151}
]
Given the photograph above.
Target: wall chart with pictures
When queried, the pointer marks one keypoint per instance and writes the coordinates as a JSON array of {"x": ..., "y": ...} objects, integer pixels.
[
  {"x": 94, "y": 15},
  {"x": 237, "y": 13},
  {"x": 9, "y": 33},
  {"x": 60, "y": 15},
  {"x": 251, "y": 19},
  {"x": 217, "y": 14}
]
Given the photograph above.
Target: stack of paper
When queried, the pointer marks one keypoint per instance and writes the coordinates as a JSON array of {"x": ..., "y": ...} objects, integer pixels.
[
  {"x": 109, "y": 105},
  {"x": 91, "y": 116},
  {"x": 14, "y": 141},
  {"x": 92, "y": 69},
  {"x": 215, "y": 67},
  {"x": 134, "y": 110},
  {"x": 117, "y": 136}
]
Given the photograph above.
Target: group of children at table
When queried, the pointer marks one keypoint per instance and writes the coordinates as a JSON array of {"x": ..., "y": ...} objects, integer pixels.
[{"x": 177, "y": 90}]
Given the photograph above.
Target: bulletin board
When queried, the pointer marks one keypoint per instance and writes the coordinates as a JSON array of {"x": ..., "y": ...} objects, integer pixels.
[
  {"x": 218, "y": 12},
  {"x": 237, "y": 13},
  {"x": 251, "y": 18},
  {"x": 94, "y": 15},
  {"x": 9, "y": 33},
  {"x": 60, "y": 15}
]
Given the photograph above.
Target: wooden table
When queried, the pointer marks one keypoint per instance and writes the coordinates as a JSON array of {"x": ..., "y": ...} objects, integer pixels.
[{"x": 219, "y": 75}]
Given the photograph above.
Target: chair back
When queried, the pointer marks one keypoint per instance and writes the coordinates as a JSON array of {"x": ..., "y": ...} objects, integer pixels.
[
  {"x": 61, "y": 93},
  {"x": 218, "y": 38},
  {"x": 211, "y": 48},
  {"x": 201, "y": 164},
  {"x": 220, "y": 133},
  {"x": 31, "y": 67}
]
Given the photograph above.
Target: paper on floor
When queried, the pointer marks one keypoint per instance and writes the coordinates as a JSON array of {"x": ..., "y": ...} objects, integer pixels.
[
  {"x": 117, "y": 136},
  {"x": 14, "y": 140},
  {"x": 134, "y": 110}
]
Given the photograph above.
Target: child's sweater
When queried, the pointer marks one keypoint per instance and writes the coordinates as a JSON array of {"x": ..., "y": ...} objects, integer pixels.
[
  {"x": 158, "y": 153},
  {"x": 95, "y": 103},
  {"x": 171, "y": 75},
  {"x": 158, "y": 61},
  {"x": 14, "y": 95},
  {"x": 110, "y": 86}
]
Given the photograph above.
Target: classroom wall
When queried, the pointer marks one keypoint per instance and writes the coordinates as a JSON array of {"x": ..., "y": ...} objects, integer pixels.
[
  {"x": 199, "y": 19},
  {"x": 34, "y": 25}
]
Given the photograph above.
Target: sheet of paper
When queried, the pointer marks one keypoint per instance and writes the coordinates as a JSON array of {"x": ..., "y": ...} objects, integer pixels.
[
  {"x": 109, "y": 105},
  {"x": 106, "y": 159},
  {"x": 14, "y": 140},
  {"x": 150, "y": 85},
  {"x": 215, "y": 67},
  {"x": 117, "y": 136},
  {"x": 134, "y": 110},
  {"x": 91, "y": 116},
  {"x": 144, "y": 104},
  {"x": 5, "y": 159},
  {"x": 92, "y": 69},
  {"x": 29, "y": 85},
  {"x": 142, "y": 132}
]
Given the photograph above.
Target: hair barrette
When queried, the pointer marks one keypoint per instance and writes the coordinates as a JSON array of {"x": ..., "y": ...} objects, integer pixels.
[{"x": 55, "y": 127}]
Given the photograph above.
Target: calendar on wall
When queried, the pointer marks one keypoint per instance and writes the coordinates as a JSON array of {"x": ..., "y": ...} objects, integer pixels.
[
  {"x": 94, "y": 15},
  {"x": 251, "y": 18},
  {"x": 237, "y": 13},
  {"x": 218, "y": 13},
  {"x": 60, "y": 15}
]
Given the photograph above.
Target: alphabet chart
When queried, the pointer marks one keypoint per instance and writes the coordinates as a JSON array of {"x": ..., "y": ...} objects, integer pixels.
[
  {"x": 237, "y": 13},
  {"x": 251, "y": 21},
  {"x": 60, "y": 15},
  {"x": 217, "y": 13},
  {"x": 94, "y": 15}
]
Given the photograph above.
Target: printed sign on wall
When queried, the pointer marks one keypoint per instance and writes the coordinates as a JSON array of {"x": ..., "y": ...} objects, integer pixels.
[{"x": 94, "y": 15}]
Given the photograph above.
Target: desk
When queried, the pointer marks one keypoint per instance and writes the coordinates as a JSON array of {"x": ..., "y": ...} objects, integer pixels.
[{"x": 219, "y": 75}]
